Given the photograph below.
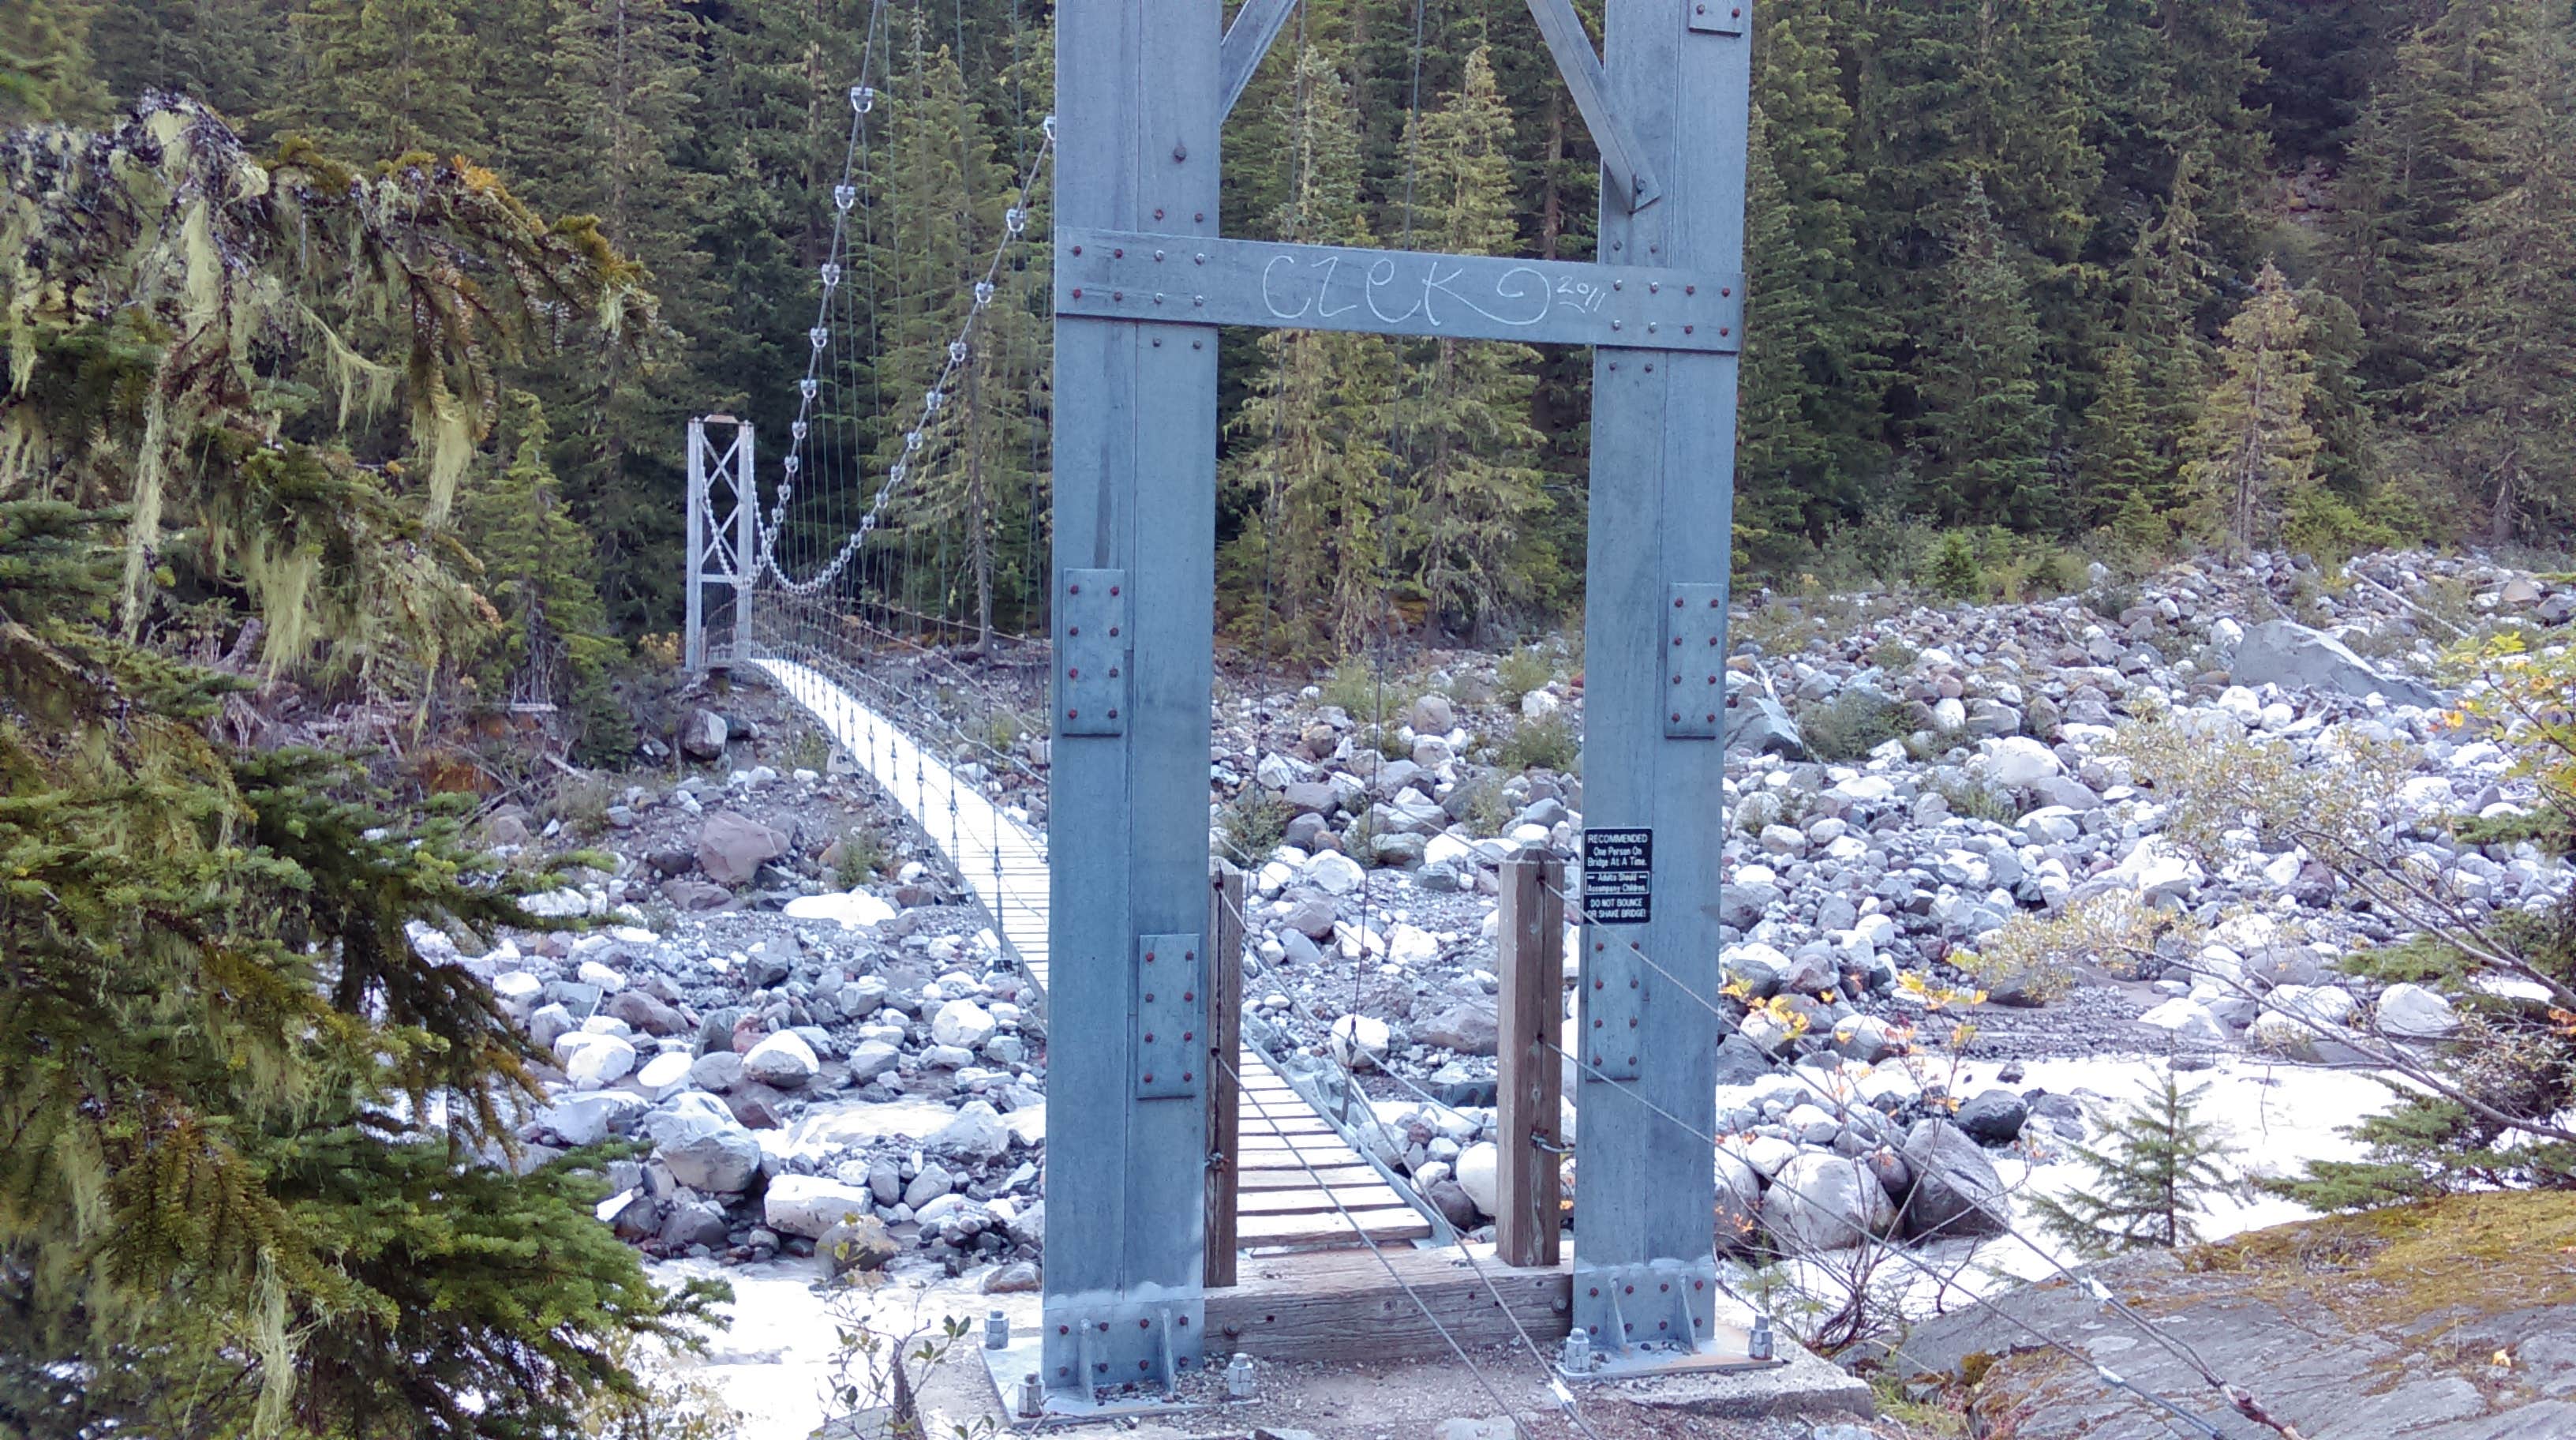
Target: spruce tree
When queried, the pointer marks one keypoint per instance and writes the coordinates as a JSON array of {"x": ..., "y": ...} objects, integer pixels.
[
  {"x": 45, "y": 67},
  {"x": 2152, "y": 1177},
  {"x": 946, "y": 195},
  {"x": 2253, "y": 453},
  {"x": 1462, "y": 523},
  {"x": 229, "y": 53},
  {"x": 385, "y": 78},
  {"x": 1986, "y": 427},
  {"x": 2127, "y": 487},
  {"x": 1812, "y": 383},
  {"x": 1313, "y": 454},
  {"x": 227, "y": 1208},
  {"x": 2497, "y": 309},
  {"x": 617, "y": 99}
]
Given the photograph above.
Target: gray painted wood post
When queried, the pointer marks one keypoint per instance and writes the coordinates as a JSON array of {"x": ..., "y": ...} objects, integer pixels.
[
  {"x": 1530, "y": 1115},
  {"x": 746, "y": 539},
  {"x": 1127, "y": 819},
  {"x": 1224, "y": 1037},
  {"x": 693, "y": 622},
  {"x": 1663, "y": 452}
]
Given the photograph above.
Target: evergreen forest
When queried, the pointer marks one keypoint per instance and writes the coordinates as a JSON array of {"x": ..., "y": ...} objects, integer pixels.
[{"x": 2133, "y": 278}]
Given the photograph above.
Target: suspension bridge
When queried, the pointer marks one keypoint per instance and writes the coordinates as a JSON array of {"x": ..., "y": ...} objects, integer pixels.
[{"x": 857, "y": 571}]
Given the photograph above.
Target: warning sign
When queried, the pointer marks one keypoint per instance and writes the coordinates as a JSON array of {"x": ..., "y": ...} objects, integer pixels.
[{"x": 1619, "y": 876}]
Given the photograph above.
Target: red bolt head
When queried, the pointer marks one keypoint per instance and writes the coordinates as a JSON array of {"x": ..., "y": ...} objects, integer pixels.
[
  {"x": 1077, "y": 250},
  {"x": 1077, "y": 290},
  {"x": 1149, "y": 1077},
  {"x": 1120, "y": 253}
]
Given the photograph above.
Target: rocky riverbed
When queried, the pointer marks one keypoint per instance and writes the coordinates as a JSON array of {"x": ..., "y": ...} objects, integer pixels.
[{"x": 824, "y": 1047}]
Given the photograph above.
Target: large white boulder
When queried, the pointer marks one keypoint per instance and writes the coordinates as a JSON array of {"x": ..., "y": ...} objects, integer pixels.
[
  {"x": 1476, "y": 1174},
  {"x": 2189, "y": 1020},
  {"x": 851, "y": 908},
  {"x": 964, "y": 1024},
  {"x": 808, "y": 1205},
  {"x": 718, "y": 1156},
  {"x": 2017, "y": 761},
  {"x": 2412, "y": 1012},
  {"x": 595, "y": 1061},
  {"x": 1826, "y": 1202},
  {"x": 1361, "y": 1041},
  {"x": 1334, "y": 873},
  {"x": 976, "y": 1134},
  {"x": 666, "y": 1074},
  {"x": 783, "y": 1060},
  {"x": 589, "y": 1119}
]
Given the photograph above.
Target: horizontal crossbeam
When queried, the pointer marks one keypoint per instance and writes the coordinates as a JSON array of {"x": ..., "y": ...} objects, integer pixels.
[{"x": 1189, "y": 280}]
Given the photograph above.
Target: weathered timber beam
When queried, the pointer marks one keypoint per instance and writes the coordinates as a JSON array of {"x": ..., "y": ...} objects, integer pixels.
[
  {"x": 1632, "y": 184},
  {"x": 1186, "y": 280},
  {"x": 1342, "y": 1306},
  {"x": 1246, "y": 41}
]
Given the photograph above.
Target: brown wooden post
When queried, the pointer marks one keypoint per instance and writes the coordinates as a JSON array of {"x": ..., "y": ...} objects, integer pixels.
[
  {"x": 1225, "y": 1046},
  {"x": 1530, "y": 960}
]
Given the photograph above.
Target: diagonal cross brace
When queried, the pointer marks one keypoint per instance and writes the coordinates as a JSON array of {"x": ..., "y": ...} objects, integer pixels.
[
  {"x": 1246, "y": 41},
  {"x": 1622, "y": 158}
]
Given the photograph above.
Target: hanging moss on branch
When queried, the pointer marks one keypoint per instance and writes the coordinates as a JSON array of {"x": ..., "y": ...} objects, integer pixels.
[{"x": 256, "y": 1176}]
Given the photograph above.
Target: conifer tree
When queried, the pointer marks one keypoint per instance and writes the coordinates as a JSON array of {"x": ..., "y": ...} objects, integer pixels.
[
  {"x": 1314, "y": 429},
  {"x": 385, "y": 78},
  {"x": 45, "y": 69},
  {"x": 1462, "y": 524},
  {"x": 2253, "y": 453},
  {"x": 946, "y": 194},
  {"x": 2498, "y": 309},
  {"x": 1811, "y": 381},
  {"x": 2127, "y": 487},
  {"x": 1987, "y": 428},
  {"x": 617, "y": 101},
  {"x": 227, "y": 1210},
  {"x": 2152, "y": 1177},
  {"x": 229, "y": 53}
]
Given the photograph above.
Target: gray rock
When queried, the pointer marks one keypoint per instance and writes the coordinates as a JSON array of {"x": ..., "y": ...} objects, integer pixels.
[
  {"x": 1740, "y": 1061},
  {"x": 1824, "y": 1202},
  {"x": 859, "y": 1243},
  {"x": 2288, "y": 654},
  {"x": 1434, "y": 715},
  {"x": 1020, "y": 1277},
  {"x": 1760, "y": 725},
  {"x": 717, "y": 1071},
  {"x": 872, "y": 1059},
  {"x": 1993, "y": 1117},
  {"x": 929, "y": 1185},
  {"x": 703, "y": 736},
  {"x": 696, "y": 1222},
  {"x": 783, "y": 1061},
  {"x": 2413, "y": 1012},
  {"x": 976, "y": 1134},
  {"x": 721, "y": 1159},
  {"x": 1468, "y": 1027},
  {"x": 732, "y": 848},
  {"x": 1956, "y": 1190}
]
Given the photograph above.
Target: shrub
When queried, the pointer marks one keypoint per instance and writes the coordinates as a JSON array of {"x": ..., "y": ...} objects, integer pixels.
[
  {"x": 864, "y": 852},
  {"x": 1365, "y": 692},
  {"x": 1954, "y": 573},
  {"x": 582, "y": 806},
  {"x": 1252, "y": 825},
  {"x": 2034, "y": 959},
  {"x": 1893, "y": 655},
  {"x": 1522, "y": 671},
  {"x": 1545, "y": 744},
  {"x": 1849, "y": 726},
  {"x": 1975, "y": 799}
]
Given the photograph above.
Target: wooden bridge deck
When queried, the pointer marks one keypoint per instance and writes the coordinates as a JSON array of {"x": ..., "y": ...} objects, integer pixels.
[{"x": 1298, "y": 1176}]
